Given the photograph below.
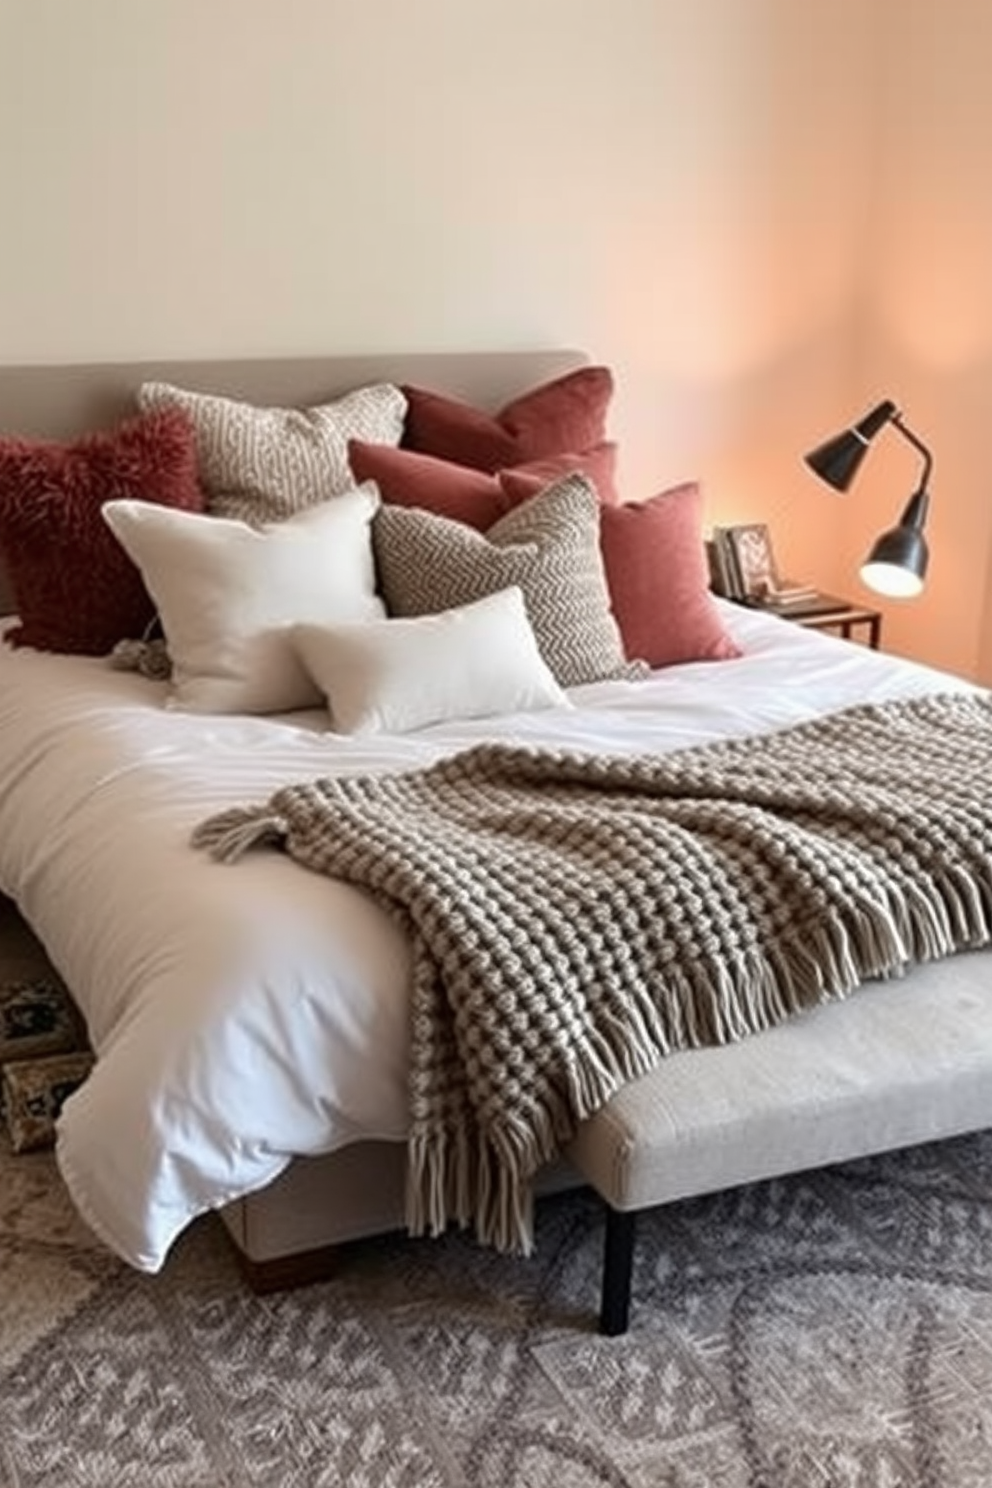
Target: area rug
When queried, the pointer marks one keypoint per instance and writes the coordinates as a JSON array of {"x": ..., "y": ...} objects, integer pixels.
[
  {"x": 43, "y": 1049},
  {"x": 832, "y": 1330}
]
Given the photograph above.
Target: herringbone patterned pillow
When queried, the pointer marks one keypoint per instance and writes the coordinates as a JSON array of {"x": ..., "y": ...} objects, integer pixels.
[
  {"x": 549, "y": 546},
  {"x": 262, "y": 465}
]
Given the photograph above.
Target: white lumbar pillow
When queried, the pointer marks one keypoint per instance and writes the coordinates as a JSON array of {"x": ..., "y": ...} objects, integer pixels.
[
  {"x": 390, "y": 676},
  {"x": 229, "y": 595}
]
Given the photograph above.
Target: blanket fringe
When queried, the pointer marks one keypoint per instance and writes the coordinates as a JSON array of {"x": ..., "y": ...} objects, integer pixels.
[
  {"x": 230, "y": 834},
  {"x": 969, "y": 905},
  {"x": 485, "y": 1180},
  {"x": 450, "y": 1178}
]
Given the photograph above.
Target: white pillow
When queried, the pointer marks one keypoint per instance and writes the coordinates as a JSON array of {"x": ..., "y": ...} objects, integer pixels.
[
  {"x": 391, "y": 676},
  {"x": 264, "y": 464},
  {"x": 228, "y": 595}
]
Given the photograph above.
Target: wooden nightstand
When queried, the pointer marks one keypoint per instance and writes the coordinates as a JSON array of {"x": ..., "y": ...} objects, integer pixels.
[{"x": 828, "y": 612}]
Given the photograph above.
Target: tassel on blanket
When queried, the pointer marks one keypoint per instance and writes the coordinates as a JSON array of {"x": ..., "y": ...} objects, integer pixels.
[
  {"x": 450, "y": 1179},
  {"x": 230, "y": 834},
  {"x": 150, "y": 658}
]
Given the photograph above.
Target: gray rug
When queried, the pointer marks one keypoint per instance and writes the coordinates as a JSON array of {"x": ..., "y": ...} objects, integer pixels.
[{"x": 832, "y": 1329}]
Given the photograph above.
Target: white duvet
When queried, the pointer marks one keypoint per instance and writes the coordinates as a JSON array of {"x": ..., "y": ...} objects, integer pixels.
[{"x": 242, "y": 1015}]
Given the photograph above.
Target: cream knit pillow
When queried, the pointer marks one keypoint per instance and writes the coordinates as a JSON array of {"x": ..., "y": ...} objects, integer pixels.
[
  {"x": 548, "y": 546},
  {"x": 261, "y": 465}
]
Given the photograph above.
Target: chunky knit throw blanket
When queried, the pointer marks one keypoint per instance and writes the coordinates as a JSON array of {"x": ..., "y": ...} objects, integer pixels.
[{"x": 575, "y": 918}]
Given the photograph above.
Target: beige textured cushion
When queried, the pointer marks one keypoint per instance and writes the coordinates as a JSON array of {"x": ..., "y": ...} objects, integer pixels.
[
  {"x": 894, "y": 1064},
  {"x": 263, "y": 464},
  {"x": 549, "y": 546},
  {"x": 390, "y": 676},
  {"x": 228, "y": 595}
]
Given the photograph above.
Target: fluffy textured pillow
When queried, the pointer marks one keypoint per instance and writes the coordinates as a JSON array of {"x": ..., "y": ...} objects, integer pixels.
[
  {"x": 657, "y": 574},
  {"x": 568, "y": 413},
  {"x": 549, "y": 546},
  {"x": 390, "y": 676},
  {"x": 229, "y": 595},
  {"x": 405, "y": 478},
  {"x": 261, "y": 465},
  {"x": 74, "y": 589}
]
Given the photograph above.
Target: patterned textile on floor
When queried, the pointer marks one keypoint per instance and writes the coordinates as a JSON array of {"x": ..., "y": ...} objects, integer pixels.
[
  {"x": 575, "y": 918},
  {"x": 43, "y": 1057},
  {"x": 37, "y": 1017},
  {"x": 34, "y": 1091},
  {"x": 831, "y": 1329}
]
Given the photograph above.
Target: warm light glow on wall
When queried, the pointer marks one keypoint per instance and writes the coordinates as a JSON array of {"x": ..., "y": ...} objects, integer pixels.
[
  {"x": 942, "y": 317},
  {"x": 932, "y": 248}
]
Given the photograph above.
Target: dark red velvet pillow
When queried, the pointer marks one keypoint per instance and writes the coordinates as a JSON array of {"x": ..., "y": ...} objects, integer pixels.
[
  {"x": 657, "y": 574},
  {"x": 568, "y": 413},
  {"x": 599, "y": 463},
  {"x": 406, "y": 478},
  {"x": 75, "y": 588}
]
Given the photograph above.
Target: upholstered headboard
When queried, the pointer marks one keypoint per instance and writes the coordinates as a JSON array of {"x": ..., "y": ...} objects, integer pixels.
[{"x": 65, "y": 401}]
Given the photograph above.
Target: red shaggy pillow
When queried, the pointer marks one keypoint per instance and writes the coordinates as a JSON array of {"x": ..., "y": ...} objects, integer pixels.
[
  {"x": 75, "y": 588},
  {"x": 405, "y": 478},
  {"x": 657, "y": 574},
  {"x": 568, "y": 413}
]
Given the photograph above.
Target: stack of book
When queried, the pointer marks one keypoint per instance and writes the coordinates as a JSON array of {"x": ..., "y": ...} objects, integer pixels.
[
  {"x": 727, "y": 578},
  {"x": 789, "y": 594},
  {"x": 725, "y": 573}
]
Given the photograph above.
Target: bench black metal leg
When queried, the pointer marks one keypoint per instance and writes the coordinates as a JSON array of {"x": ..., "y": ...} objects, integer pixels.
[{"x": 618, "y": 1266}]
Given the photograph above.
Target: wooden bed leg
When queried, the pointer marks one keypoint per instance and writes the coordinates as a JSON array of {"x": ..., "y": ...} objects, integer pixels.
[
  {"x": 618, "y": 1266},
  {"x": 287, "y": 1273}
]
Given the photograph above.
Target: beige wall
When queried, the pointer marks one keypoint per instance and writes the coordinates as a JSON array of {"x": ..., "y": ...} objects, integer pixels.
[{"x": 687, "y": 189}]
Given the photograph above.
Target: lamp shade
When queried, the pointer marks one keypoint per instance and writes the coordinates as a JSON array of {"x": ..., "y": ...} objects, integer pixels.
[
  {"x": 897, "y": 563},
  {"x": 837, "y": 460}
]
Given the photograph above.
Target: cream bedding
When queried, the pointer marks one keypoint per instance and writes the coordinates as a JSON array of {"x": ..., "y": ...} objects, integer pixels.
[{"x": 241, "y": 1018}]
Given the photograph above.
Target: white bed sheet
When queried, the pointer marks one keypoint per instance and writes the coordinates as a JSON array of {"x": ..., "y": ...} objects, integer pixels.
[{"x": 244, "y": 1015}]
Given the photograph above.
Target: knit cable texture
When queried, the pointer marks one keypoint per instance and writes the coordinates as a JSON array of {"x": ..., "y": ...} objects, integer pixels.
[{"x": 575, "y": 918}]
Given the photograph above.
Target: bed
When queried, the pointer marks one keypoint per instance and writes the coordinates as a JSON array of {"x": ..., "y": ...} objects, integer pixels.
[{"x": 251, "y": 1024}]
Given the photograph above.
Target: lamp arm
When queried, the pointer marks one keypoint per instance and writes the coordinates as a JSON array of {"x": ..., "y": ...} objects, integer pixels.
[{"x": 917, "y": 443}]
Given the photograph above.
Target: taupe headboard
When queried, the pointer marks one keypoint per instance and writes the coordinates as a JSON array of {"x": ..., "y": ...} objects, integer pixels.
[{"x": 65, "y": 401}]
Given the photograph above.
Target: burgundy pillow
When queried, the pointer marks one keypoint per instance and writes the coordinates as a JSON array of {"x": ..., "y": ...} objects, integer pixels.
[
  {"x": 657, "y": 574},
  {"x": 568, "y": 413},
  {"x": 75, "y": 588},
  {"x": 406, "y": 478},
  {"x": 599, "y": 463}
]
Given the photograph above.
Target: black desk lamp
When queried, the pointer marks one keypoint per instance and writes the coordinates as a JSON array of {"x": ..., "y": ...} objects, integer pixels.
[{"x": 897, "y": 562}]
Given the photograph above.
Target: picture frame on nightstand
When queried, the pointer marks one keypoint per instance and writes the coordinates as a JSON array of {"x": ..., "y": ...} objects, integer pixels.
[
  {"x": 742, "y": 563},
  {"x": 753, "y": 559}
]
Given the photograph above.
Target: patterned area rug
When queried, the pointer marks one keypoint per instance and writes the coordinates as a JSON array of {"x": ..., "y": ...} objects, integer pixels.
[
  {"x": 43, "y": 1058},
  {"x": 829, "y": 1331}
]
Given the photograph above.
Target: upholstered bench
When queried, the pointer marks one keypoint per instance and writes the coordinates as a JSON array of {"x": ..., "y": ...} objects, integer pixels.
[{"x": 896, "y": 1064}]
